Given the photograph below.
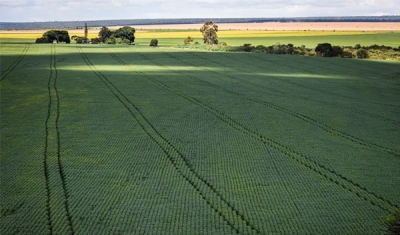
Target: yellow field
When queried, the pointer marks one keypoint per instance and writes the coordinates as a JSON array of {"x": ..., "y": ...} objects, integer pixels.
[
  {"x": 35, "y": 35},
  {"x": 233, "y": 30}
]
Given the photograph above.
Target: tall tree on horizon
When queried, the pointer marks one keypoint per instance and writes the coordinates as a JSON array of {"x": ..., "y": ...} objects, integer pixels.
[
  {"x": 86, "y": 31},
  {"x": 209, "y": 31}
]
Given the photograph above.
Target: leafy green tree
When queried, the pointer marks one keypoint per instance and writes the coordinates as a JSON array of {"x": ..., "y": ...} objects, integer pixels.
[
  {"x": 104, "y": 34},
  {"x": 54, "y": 35},
  {"x": 86, "y": 31},
  {"x": 324, "y": 50},
  {"x": 125, "y": 32},
  {"x": 209, "y": 31}
]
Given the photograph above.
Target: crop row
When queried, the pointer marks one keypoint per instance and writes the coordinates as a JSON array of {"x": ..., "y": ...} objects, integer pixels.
[
  {"x": 301, "y": 116},
  {"x": 207, "y": 191},
  {"x": 236, "y": 176},
  {"x": 15, "y": 63},
  {"x": 319, "y": 168},
  {"x": 51, "y": 149},
  {"x": 297, "y": 84}
]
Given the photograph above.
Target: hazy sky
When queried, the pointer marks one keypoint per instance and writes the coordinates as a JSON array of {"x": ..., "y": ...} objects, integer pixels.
[{"x": 63, "y": 10}]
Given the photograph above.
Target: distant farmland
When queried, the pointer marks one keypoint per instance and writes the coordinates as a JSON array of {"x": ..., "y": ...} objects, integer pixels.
[{"x": 100, "y": 139}]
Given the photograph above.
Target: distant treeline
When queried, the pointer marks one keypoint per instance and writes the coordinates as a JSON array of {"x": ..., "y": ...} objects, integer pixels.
[{"x": 123, "y": 22}]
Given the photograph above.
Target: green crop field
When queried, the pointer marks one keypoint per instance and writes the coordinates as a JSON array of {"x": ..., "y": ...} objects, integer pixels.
[{"x": 105, "y": 139}]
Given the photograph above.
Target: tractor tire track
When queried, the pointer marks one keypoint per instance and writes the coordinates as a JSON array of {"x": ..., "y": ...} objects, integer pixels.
[
  {"x": 207, "y": 191},
  {"x": 305, "y": 98},
  {"x": 53, "y": 129},
  {"x": 15, "y": 63},
  {"x": 324, "y": 171},
  {"x": 300, "y": 116},
  {"x": 45, "y": 152}
]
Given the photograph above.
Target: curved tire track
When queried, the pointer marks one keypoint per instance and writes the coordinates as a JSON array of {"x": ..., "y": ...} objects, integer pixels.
[
  {"x": 303, "y": 117},
  {"x": 208, "y": 192},
  {"x": 15, "y": 63},
  {"x": 53, "y": 129},
  {"x": 324, "y": 171}
]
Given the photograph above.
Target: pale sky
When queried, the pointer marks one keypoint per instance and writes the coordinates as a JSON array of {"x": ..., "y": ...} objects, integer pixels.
[{"x": 77, "y": 10}]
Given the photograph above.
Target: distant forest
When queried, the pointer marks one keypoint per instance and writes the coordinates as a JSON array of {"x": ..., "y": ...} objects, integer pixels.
[{"x": 123, "y": 22}]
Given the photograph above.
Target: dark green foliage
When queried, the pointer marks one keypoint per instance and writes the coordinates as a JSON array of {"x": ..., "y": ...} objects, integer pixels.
[
  {"x": 154, "y": 42},
  {"x": 347, "y": 54},
  {"x": 42, "y": 40},
  {"x": 290, "y": 48},
  {"x": 79, "y": 40},
  {"x": 392, "y": 222},
  {"x": 125, "y": 32},
  {"x": 104, "y": 34},
  {"x": 324, "y": 50},
  {"x": 209, "y": 31},
  {"x": 125, "y": 41},
  {"x": 95, "y": 40},
  {"x": 86, "y": 31},
  {"x": 336, "y": 51},
  {"x": 248, "y": 47},
  {"x": 111, "y": 40},
  {"x": 362, "y": 53},
  {"x": 54, "y": 35}
]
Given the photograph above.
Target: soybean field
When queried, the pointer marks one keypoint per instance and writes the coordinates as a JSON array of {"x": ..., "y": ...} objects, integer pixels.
[{"x": 105, "y": 139}]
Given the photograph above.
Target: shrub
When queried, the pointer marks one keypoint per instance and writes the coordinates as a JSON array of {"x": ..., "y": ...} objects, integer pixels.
[
  {"x": 347, "y": 53},
  {"x": 111, "y": 40},
  {"x": 188, "y": 40},
  {"x": 247, "y": 47},
  {"x": 336, "y": 51},
  {"x": 154, "y": 42},
  {"x": 261, "y": 48},
  {"x": 392, "y": 222},
  {"x": 222, "y": 44},
  {"x": 125, "y": 41},
  {"x": 95, "y": 40},
  {"x": 362, "y": 54},
  {"x": 42, "y": 40}
]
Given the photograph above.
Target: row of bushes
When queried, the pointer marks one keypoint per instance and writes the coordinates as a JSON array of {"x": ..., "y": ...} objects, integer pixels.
[{"x": 327, "y": 50}]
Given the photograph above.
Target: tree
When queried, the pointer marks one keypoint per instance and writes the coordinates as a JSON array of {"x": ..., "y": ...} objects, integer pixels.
[
  {"x": 125, "y": 32},
  {"x": 54, "y": 35},
  {"x": 209, "y": 31},
  {"x": 86, "y": 31},
  {"x": 105, "y": 34},
  {"x": 324, "y": 50}
]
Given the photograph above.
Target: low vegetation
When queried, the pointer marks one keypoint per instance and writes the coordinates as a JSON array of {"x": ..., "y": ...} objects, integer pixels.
[{"x": 115, "y": 139}]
